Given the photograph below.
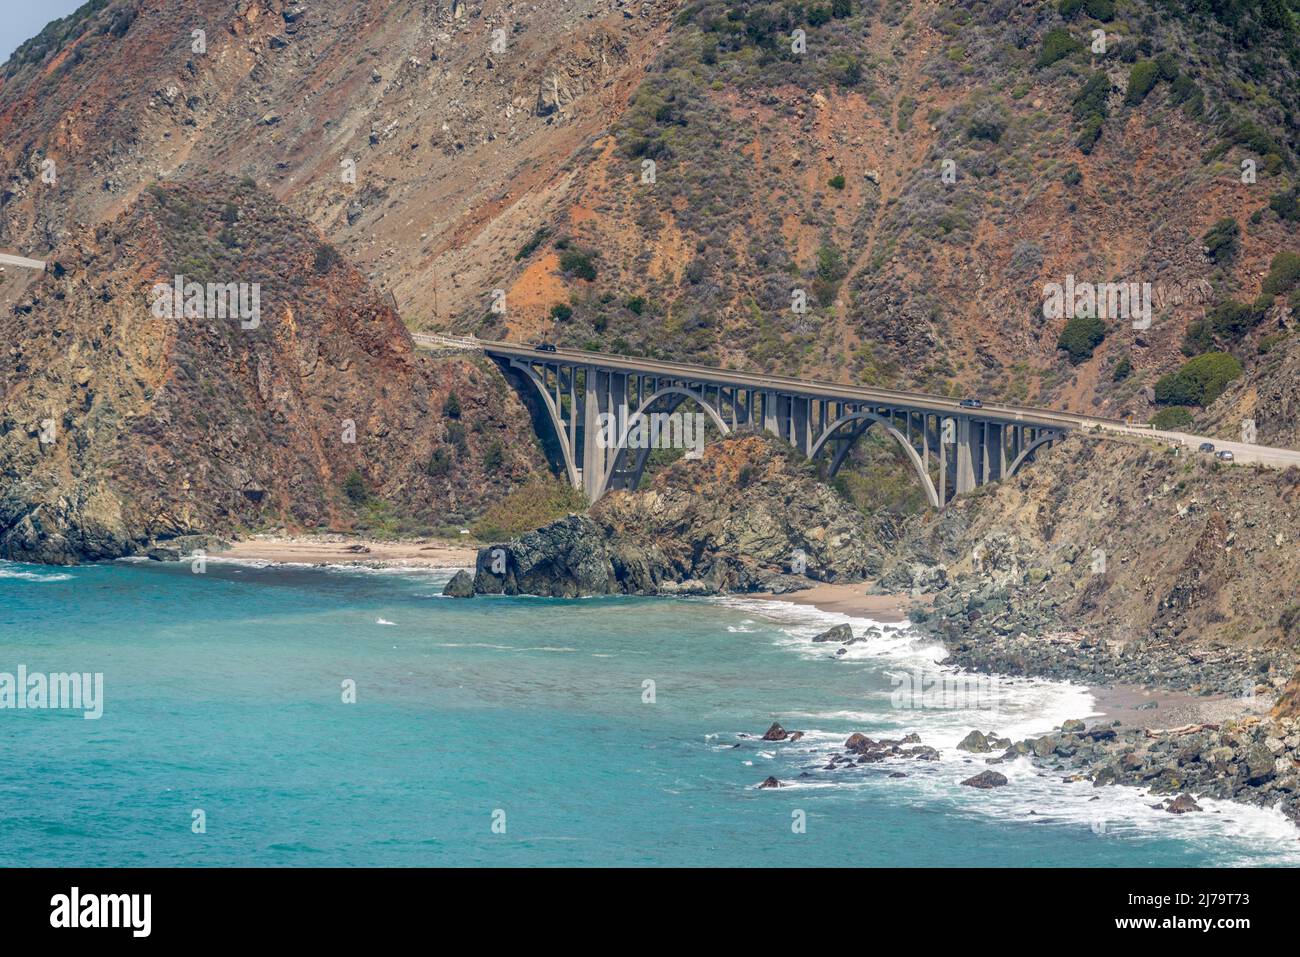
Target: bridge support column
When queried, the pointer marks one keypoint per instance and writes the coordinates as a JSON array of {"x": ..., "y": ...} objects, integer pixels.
[
  {"x": 771, "y": 416},
  {"x": 801, "y": 422},
  {"x": 604, "y": 419},
  {"x": 966, "y": 456}
]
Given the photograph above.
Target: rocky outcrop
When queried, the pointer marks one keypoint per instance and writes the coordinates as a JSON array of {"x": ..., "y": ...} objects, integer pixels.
[
  {"x": 460, "y": 586},
  {"x": 1251, "y": 760},
  {"x": 986, "y": 780},
  {"x": 125, "y": 425},
  {"x": 840, "y": 634},
  {"x": 1111, "y": 561},
  {"x": 744, "y": 518}
]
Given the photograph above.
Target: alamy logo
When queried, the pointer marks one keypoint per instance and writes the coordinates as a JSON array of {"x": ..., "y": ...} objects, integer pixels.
[
  {"x": 656, "y": 430},
  {"x": 75, "y": 691},
  {"x": 214, "y": 300},
  {"x": 1107, "y": 300},
  {"x": 133, "y": 911}
]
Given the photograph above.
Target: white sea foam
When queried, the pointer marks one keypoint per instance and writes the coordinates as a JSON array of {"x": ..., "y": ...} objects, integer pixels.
[
  {"x": 17, "y": 572},
  {"x": 1016, "y": 708}
]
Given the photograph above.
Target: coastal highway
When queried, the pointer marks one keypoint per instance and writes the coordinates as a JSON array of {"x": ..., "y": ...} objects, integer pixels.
[{"x": 1244, "y": 452}]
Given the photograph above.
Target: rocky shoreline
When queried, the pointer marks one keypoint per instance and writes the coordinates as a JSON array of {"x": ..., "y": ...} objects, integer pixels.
[
  {"x": 1253, "y": 761},
  {"x": 991, "y": 629}
]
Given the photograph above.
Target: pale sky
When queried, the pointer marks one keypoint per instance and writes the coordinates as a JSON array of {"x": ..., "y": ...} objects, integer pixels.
[{"x": 21, "y": 20}]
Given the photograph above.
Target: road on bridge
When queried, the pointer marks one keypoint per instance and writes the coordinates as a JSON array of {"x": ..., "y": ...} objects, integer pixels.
[{"x": 1243, "y": 452}]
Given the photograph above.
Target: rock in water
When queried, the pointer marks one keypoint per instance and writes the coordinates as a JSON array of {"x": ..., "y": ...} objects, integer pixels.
[
  {"x": 775, "y": 733},
  {"x": 841, "y": 634},
  {"x": 976, "y": 743},
  {"x": 1073, "y": 726},
  {"x": 460, "y": 586},
  {"x": 771, "y": 782},
  {"x": 1182, "y": 804},
  {"x": 985, "y": 780}
]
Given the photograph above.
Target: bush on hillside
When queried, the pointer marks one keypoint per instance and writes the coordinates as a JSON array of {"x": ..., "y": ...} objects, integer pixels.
[
  {"x": 1283, "y": 273},
  {"x": 1141, "y": 79},
  {"x": 1173, "y": 418},
  {"x": 1057, "y": 45},
  {"x": 537, "y": 503},
  {"x": 1221, "y": 240},
  {"x": 1080, "y": 337},
  {"x": 1199, "y": 382}
]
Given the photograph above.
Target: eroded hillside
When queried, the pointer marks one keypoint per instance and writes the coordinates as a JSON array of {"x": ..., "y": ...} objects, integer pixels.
[{"x": 129, "y": 420}]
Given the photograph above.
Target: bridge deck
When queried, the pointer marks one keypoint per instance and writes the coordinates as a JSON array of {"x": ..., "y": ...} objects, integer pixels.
[{"x": 761, "y": 381}]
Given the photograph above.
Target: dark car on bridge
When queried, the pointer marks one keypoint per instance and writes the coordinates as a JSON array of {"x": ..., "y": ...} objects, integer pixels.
[
  {"x": 1224, "y": 456},
  {"x": 1205, "y": 447},
  {"x": 545, "y": 347},
  {"x": 971, "y": 404}
]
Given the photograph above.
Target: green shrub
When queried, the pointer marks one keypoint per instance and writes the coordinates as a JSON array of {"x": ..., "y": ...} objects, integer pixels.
[
  {"x": 1103, "y": 10},
  {"x": 1141, "y": 78},
  {"x": 1057, "y": 45},
  {"x": 529, "y": 247},
  {"x": 451, "y": 407},
  {"x": 1221, "y": 240},
  {"x": 1283, "y": 273},
  {"x": 1287, "y": 204},
  {"x": 830, "y": 263},
  {"x": 836, "y": 182},
  {"x": 354, "y": 487},
  {"x": 1230, "y": 320},
  {"x": 326, "y": 257},
  {"x": 561, "y": 312},
  {"x": 494, "y": 457},
  {"x": 1089, "y": 134},
  {"x": 987, "y": 128},
  {"x": 1080, "y": 337},
  {"x": 1123, "y": 369},
  {"x": 578, "y": 263},
  {"x": 1199, "y": 382},
  {"x": 540, "y": 501},
  {"x": 439, "y": 463},
  {"x": 1072, "y": 176},
  {"x": 1173, "y": 418},
  {"x": 1093, "y": 97}
]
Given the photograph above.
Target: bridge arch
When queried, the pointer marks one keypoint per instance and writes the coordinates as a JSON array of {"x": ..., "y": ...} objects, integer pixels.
[
  {"x": 557, "y": 420},
  {"x": 679, "y": 394},
  {"x": 869, "y": 419},
  {"x": 1029, "y": 451}
]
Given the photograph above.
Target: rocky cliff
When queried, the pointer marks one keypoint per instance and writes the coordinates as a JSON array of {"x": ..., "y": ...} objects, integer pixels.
[
  {"x": 122, "y": 427},
  {"x": 1117, "y": 561},
  {"x": 918, "y": 170},
  {"x": 748, "y": 516}
]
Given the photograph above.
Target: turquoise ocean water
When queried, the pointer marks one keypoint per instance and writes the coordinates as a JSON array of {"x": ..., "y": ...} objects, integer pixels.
[{"x": 223, "y": 693}]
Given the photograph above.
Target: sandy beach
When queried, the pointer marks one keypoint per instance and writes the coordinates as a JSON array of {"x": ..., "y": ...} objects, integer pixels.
[
  {"x": 851, "y": 599},
  {"x": 349, "y": 550},
  {"x": 1132, "y": 706}
]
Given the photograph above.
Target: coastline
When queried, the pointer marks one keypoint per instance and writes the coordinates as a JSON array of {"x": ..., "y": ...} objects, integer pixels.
[
  {"x": 1133, "y": 706},
  {"x": 852, "y": 600},
  {"x": 336, "y": 549}
]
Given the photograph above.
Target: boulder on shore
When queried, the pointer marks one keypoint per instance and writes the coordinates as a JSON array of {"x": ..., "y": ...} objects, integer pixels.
[
  {"x": 975, "y": 743},
  {"x": 1182, "y": 804},
  {"x": 985, "y": 780},
  {"x": 460, "y": 586},
  {"x": 770, "y": 782},
  {"x": 842, "y": 634}
]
